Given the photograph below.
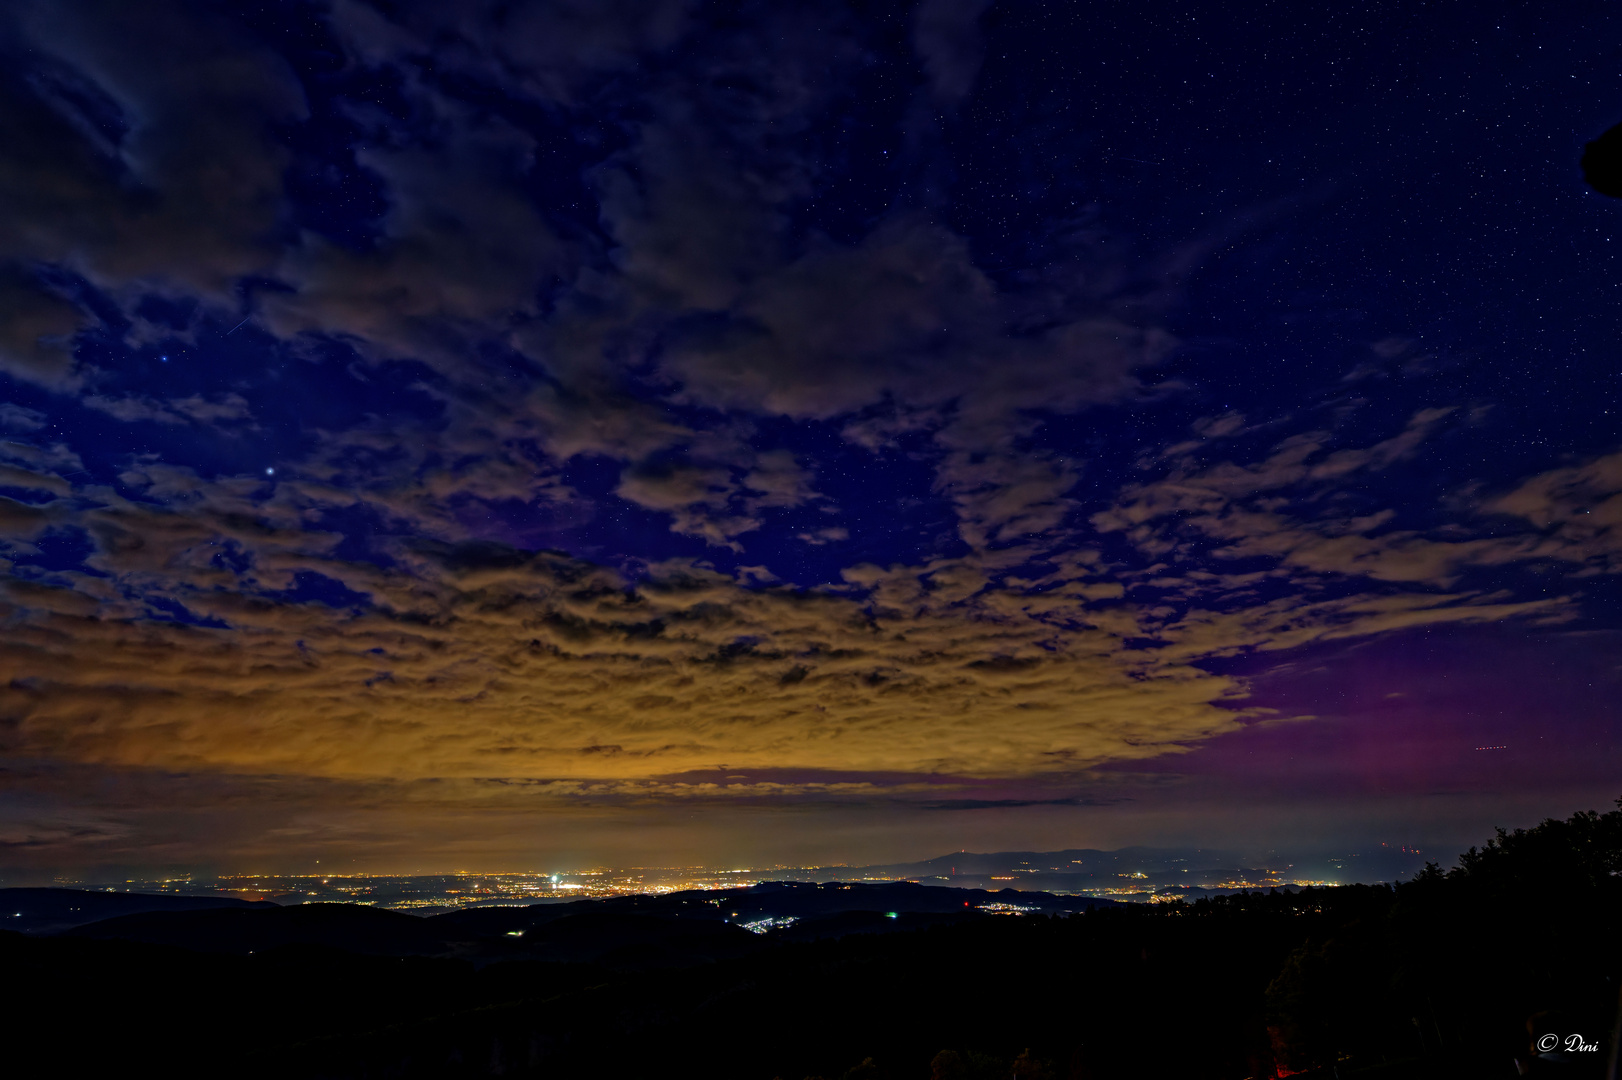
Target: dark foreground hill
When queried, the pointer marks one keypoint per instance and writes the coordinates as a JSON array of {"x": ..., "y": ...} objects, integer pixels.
[
  {"x": 49, "y": 911},
  {"x": 247, "y": 931},
  {"x": 1438, "y": 978}
]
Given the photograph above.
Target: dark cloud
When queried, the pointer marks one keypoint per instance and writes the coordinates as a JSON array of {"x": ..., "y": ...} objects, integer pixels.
[
  {"x": 141, "y": 144},
  {"x": 550, "y": 49},
  {"x": 1009, "y": 804},
  {"x": 15, "y": 417},
  {"x": 36, "y": 332},
  {"x": 196, "y": 408}
]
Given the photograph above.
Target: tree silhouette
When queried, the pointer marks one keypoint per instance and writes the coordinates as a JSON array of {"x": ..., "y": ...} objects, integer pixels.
[
  {"x": 1027, "y": 1067},
  {"x": 867, "y": 1070},
  {"x": 948, "y": 1065}
]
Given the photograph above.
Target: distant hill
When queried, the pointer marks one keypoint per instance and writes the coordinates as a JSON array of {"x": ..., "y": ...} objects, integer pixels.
[
  {"x": 50, "y": 911},
  {"x": 1073, "y": 861},
  {"x": 1131, "y": 873},
  {"x": 244, "y": 930}
]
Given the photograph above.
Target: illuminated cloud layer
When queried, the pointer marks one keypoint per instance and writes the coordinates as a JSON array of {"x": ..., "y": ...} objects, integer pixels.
[{"x": 517, "y": 411}]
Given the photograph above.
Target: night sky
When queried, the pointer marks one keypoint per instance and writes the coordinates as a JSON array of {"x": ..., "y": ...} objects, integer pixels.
[{"x": 476, "y": 435}]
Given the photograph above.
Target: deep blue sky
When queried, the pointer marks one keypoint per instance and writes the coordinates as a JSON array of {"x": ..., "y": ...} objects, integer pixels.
[{"x": 485, "y": 431}]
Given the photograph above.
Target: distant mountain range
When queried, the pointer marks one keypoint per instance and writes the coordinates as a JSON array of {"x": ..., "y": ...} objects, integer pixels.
[{"x": 1133, "y": 873}]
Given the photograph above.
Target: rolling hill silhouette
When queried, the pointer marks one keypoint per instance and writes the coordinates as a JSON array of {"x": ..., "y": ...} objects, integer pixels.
[
  {"x": 48, "y": 911},
  {"x": 242, "y": 931}
]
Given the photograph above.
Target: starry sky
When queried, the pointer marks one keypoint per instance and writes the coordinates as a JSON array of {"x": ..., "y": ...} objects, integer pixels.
[{"x": 475, "y": 434}]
